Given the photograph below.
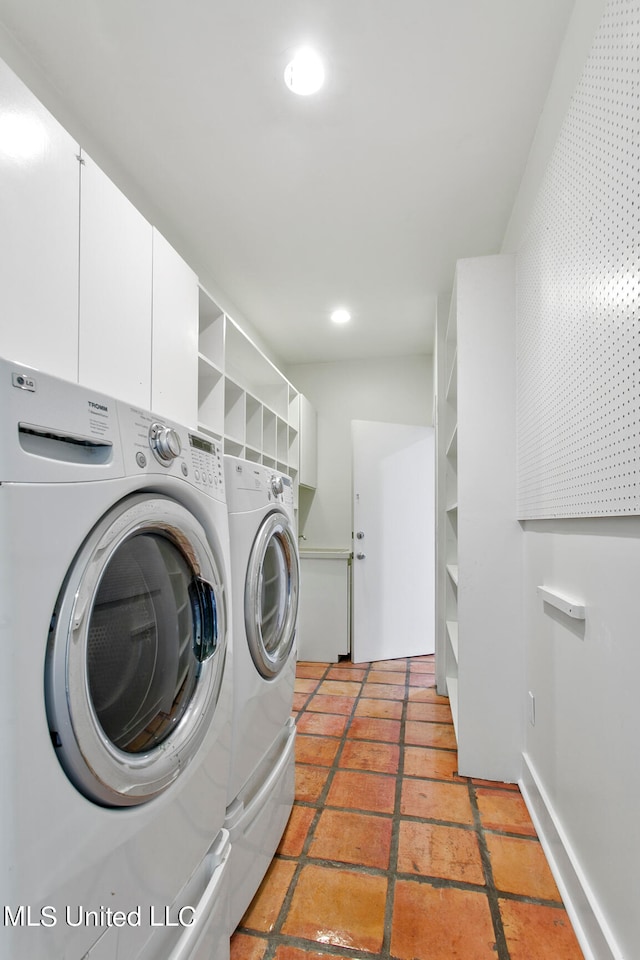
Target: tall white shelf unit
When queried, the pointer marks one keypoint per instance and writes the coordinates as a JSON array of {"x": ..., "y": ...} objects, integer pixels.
[
  {"x": 450, "y": 511},
  {"x": 479, "y": 566},
  {"x": 243, "y": 399}
]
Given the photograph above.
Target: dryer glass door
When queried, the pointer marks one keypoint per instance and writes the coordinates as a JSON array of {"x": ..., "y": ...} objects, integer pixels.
[
  {"x": 271, "y": 595},
  {"x": 137, "y": 651}
]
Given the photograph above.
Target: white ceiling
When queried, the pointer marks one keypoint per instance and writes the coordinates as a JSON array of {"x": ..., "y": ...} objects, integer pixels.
[{"x": 364, "y": 195}]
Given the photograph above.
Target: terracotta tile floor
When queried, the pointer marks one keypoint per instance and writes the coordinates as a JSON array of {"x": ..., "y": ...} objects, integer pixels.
[{"x": 388, "y": 852}]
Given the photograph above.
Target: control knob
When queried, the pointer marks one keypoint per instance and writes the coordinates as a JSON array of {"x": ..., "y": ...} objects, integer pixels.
[
  {"x": 165, "y": 442},
  {"x": 277, "y": 486}
]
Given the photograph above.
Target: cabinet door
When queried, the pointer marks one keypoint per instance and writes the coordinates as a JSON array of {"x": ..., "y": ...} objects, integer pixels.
[
  {"x": 308, "y": 444},
  {"x": 323, "y": 622},
  {"x": 174, "y": 363},
  {"x": 115, "y": 290},
  {"x": 39, "y": 176}
]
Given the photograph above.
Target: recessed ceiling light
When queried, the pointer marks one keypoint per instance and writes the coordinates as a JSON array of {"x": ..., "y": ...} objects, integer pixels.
[
  {"x": 305, "y": 74},
  {"x": 341, "y": 315}
]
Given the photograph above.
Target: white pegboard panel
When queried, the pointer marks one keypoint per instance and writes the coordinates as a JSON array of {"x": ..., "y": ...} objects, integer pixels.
[{"x": 579, "y": 296}]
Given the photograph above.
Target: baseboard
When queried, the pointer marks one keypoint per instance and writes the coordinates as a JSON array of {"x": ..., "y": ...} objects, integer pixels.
[{"x": 593, "y": 933}]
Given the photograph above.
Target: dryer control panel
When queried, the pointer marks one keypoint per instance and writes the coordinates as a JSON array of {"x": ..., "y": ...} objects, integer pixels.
[
  {"x": 251, "y": 486},
  {"x": 154, "y": 445}
]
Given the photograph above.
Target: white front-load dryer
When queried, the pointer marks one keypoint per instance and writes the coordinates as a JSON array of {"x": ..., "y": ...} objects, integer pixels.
[
  {"x": 116, "y": 686},
  {"x": 265, "y": 586}
]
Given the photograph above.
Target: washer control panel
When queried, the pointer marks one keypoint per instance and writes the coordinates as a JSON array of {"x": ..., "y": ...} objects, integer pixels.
[
  {"x": 153, "y": 445},
  {"x": 206, "y": 460}
]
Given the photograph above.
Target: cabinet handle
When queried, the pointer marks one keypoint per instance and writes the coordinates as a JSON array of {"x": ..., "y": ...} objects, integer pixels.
[{"x": 360, "y": 556}]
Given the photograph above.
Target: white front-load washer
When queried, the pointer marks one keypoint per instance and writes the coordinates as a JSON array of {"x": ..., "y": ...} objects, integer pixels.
[
  {"x": 265, "y": 587},
  {"x": 116, "y": 682}
]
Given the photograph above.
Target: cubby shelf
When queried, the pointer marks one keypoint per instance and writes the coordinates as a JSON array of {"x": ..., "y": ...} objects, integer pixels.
[
  {"x": 452, "y": 385},
  {"x": 452, "y": 631},
  {"x": 452, "y": 446},
  {"x": 242, "y": 396}
]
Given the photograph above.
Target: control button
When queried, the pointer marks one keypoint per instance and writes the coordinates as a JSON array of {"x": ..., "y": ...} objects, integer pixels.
[
  {"x": 196, "y": 474},
  {"x": 185, "y": 470},
  {"x": 165, "y": 442},
  {"x": 210, "y": 479},
  {"x": 141, "y": 460}
]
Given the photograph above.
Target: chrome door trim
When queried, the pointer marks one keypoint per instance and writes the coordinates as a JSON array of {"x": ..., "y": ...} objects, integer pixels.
[
  {"x": 103, "y": 772},
  {"x": 270, "y": 663}
]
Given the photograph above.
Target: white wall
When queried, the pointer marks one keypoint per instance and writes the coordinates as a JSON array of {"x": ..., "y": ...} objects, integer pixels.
[
  {"x": 395, "y": 390},
  {"x": 582, "y": 749},
  {"x": 582, "y": 774},
  {"x": 575, "y": 48}
]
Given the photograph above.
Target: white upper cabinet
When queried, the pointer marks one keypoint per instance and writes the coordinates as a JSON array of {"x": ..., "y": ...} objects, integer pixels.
[
  {"x": 115, "y": 290},
  {"x": 174, "y": 355},
  {"x": 91, "y": 292},
  {"x": 308, "y": 444},
  {"x": 39, "y": 176}
]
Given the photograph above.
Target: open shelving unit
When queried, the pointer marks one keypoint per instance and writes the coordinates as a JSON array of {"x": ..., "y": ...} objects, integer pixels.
[
  {"x": 243, "y": 399},
  {"x": 479, "y": 556},
  {"x": 450, "y": 500}
]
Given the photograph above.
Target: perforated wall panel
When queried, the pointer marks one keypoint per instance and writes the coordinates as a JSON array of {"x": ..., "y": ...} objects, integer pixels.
[{"x": 578, "y": 296}]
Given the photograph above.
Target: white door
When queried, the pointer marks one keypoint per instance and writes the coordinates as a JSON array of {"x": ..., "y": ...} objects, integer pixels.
[{"x": 394, "y": 541}]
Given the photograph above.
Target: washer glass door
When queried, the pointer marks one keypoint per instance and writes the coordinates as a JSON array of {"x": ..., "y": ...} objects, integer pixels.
[
  {"x": 271, "y": 595},
  {"x": 136, "y": 652}
]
